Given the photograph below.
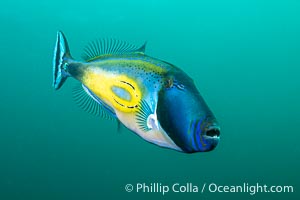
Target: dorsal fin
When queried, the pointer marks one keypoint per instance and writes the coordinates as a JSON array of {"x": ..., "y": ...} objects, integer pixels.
[
  {"x": 142, "y": 49},
  {"x": 101, "y": 47}
]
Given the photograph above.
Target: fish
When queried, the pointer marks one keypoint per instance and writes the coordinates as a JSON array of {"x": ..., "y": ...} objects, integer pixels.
[{"x": 152, "y": 98}]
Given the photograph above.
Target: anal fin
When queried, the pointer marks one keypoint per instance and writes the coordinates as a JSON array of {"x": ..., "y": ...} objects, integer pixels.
[{"x": 90, "y": 103}]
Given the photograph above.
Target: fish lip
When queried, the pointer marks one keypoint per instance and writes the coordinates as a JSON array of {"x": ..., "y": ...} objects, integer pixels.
[{"x": 211, "y": 138}]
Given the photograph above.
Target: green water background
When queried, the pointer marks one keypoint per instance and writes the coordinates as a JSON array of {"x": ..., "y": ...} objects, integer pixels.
[{"x": 242, "y": 55}]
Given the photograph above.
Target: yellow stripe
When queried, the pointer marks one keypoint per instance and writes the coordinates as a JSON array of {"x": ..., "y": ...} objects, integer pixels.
[{"x": 147, "y": 66}]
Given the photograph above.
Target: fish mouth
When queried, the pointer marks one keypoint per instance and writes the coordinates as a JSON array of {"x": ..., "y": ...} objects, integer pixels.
[{"x": 212, "y": 132}]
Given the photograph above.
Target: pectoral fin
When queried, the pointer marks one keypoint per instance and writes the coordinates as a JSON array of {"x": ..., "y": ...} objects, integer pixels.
[{"x": 146, "y": 117}]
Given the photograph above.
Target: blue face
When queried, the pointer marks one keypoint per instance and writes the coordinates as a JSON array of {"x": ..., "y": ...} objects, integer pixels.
[{"x": 184, "y": 115}]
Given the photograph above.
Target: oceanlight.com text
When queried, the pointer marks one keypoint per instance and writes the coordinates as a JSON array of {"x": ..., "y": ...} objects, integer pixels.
[{"x": 247, "y": 188}]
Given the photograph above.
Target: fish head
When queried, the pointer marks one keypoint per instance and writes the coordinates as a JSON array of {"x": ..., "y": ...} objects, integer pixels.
[{"x": 184, "y": 115}]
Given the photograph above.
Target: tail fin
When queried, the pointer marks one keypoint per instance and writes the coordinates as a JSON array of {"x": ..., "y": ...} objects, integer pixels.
[{"x": 60, "y": 61}]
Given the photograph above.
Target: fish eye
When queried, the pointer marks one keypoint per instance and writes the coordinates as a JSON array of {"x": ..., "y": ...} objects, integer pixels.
[{"x": 169, "y": 83}]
